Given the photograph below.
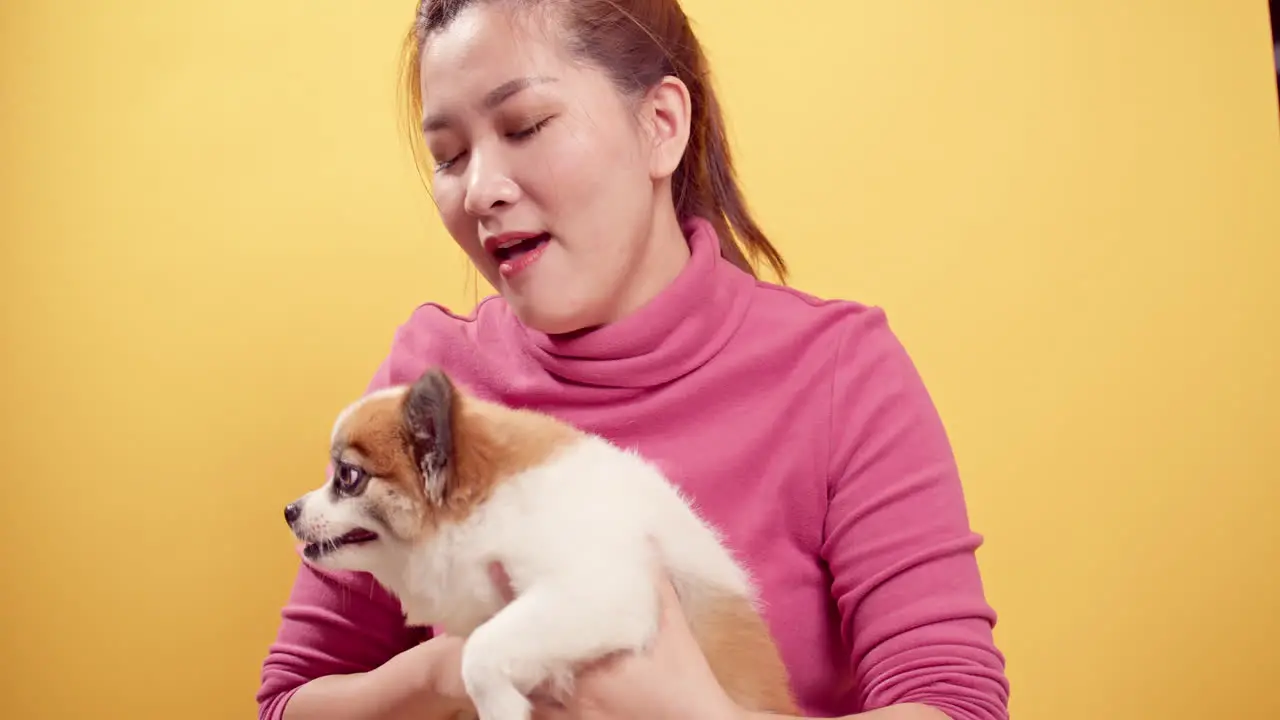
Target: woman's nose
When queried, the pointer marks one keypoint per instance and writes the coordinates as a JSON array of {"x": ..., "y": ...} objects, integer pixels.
[{"x": 489, "y": 186}]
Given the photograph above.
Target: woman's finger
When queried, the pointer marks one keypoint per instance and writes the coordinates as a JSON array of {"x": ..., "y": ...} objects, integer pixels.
[
  {"x": 551, "y": 712},
  {"x": 546, "y": 707},
  {"x": 501, "y": 581}
]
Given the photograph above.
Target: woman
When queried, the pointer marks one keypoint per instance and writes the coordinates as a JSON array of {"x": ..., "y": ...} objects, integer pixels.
[{"x": 580, "y": 161}]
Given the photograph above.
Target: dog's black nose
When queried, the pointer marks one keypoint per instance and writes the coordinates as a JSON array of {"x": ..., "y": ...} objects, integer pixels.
[{"x": 291, "y": 512}]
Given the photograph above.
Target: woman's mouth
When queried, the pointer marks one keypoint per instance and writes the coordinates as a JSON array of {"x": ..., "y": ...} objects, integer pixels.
[{"x": 517, "y": 252}]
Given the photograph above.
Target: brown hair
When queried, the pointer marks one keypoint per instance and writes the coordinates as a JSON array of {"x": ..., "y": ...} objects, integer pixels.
[{"x": 637, "y": 42}]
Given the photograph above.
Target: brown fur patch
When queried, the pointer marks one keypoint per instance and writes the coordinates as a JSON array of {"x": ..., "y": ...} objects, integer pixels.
[
  {"x": 491, "y": 443},
  {"x": 372, "y": 436},
  {"x": 743, "y": 656}
]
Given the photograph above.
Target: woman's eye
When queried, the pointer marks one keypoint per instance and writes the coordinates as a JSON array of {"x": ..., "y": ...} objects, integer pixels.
[
  {"x": 446, "y": 164},
  {"x": 524, "y": 134},
  {"x": 531, "y": 130}
]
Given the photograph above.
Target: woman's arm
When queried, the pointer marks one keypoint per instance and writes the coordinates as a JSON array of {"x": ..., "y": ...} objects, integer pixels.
[
  {"x": 406, "y": 687},
  {"x": 897, "y": 539},
  {"x": 672, "y": 679},
  {"x": 896, "y": 712},
  {"x": 343, "y": 651}
]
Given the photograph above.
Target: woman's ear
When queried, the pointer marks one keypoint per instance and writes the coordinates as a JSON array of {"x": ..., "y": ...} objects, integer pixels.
[{"x": 668, "y": 115}]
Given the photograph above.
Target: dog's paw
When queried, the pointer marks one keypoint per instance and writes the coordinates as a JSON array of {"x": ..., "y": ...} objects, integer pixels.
[{"x": 492, "y": 692}]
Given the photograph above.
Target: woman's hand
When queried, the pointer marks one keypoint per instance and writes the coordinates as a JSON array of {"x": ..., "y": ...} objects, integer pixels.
[
  {"x": 433, "y": 670},
  {"x": 423, "y": 682},
  {"x": 443, "y": 656},
  {"x": 670, "y": 681}
]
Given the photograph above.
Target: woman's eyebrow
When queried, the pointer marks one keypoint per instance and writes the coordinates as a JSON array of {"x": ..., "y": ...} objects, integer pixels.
[{"x": 492, "y": 99}]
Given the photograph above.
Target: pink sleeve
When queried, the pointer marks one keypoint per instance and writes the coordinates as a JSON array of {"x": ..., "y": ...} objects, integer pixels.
[
  {"x": 333, "y": 624},
  {"x": 898, "y": 541}
]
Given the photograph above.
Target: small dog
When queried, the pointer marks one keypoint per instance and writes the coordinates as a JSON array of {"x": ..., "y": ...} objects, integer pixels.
[{"x": 431, "y": 485}]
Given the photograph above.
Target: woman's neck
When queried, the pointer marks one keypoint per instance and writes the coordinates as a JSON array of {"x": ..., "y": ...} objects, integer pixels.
[{"x": 665, "y": 255}]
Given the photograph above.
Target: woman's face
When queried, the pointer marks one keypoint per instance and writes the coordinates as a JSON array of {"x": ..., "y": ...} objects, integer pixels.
[{"x": 550, "y": 179}]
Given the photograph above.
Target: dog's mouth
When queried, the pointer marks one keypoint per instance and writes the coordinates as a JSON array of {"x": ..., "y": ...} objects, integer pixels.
[{"x": 320, "y": 548}]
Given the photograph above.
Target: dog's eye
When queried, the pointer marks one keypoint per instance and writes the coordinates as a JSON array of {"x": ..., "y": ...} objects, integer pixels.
[{"x": 349, "y": 477}]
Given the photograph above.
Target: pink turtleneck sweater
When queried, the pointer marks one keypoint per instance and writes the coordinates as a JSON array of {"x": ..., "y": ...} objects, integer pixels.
[{"x": 801, "y": 429}]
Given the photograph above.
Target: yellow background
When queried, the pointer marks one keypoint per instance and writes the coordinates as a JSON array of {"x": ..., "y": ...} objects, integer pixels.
[{"x": 1071, "y": 211}]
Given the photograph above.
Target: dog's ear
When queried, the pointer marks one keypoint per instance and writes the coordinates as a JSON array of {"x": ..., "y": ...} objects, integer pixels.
[{"x": 428, "y": 418}]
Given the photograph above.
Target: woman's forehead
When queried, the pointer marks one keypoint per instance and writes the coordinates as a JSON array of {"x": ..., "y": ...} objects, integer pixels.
[{"x": 486, "y": 40}]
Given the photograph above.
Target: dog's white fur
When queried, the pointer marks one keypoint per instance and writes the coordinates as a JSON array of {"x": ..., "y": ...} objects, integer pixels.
[{"x": 580, "y": 537}]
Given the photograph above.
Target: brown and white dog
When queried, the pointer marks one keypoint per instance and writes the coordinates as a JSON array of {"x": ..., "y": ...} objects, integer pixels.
[{"x": 431, "y": 485}]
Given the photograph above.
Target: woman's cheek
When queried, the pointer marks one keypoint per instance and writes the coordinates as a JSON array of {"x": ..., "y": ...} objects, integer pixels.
[
  {"x": 453, "y": 215},
  {"x": 446, "y": 191},
  {"x": 449, "y": 201},
  {"x": 570, "y": 165}
]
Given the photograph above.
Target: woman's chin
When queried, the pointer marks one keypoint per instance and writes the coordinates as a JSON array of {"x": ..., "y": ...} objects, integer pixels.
[{"x": 550, "y": 316}]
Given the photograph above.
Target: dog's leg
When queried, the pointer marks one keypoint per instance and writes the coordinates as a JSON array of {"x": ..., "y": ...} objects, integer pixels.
[{"x": 549, "y": 630}]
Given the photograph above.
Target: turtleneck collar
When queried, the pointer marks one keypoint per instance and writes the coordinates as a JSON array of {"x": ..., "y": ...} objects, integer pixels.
[{"x": 681, "y": 328}]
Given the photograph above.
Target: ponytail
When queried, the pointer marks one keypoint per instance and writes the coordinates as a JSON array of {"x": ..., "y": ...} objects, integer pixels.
[{"x": 706, "y": 183}]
